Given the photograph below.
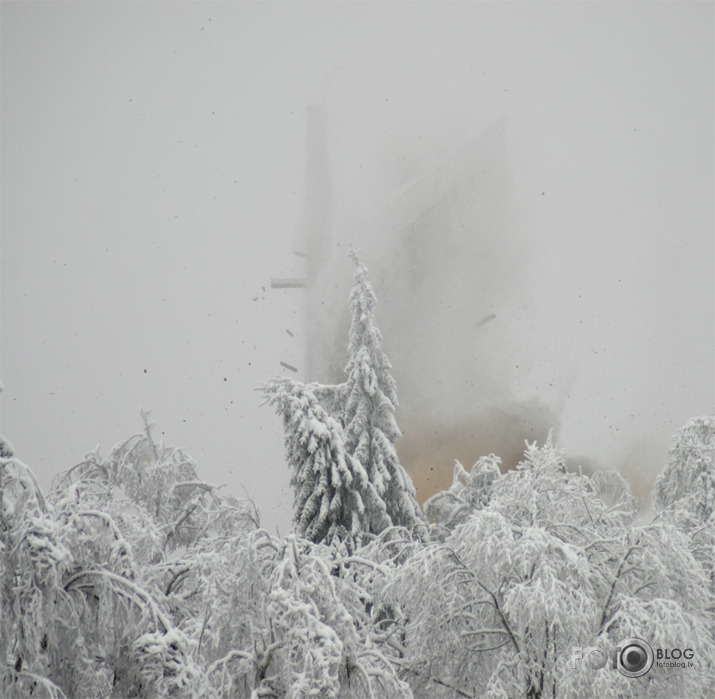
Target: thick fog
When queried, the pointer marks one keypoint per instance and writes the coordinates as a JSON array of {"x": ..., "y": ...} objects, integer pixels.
[{"x": 530, "y": 185}]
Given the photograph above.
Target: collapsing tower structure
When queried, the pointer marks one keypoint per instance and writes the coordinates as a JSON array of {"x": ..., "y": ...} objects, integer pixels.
[
  {"x": 427, "y": 242},
  {"x": 433, "y": 236}
]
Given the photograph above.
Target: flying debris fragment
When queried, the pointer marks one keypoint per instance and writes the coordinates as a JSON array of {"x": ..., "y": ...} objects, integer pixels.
[
  {"x": 290, "y": 333},
  {"x": 288, "y": 283},
  {"x": 289, "y": 366},
  {"x": 485, "y": 320}
]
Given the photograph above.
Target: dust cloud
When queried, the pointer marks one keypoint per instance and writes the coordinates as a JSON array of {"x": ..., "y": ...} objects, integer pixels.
[
  {"x": 429, "y": 447},
  {"x": 523, "y": 281}
]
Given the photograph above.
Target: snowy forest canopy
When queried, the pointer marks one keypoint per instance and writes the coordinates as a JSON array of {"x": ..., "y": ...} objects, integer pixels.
[{"x": 133, "y": 577}]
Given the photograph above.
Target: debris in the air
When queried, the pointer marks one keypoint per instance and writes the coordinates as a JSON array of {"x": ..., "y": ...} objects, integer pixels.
[
  {"x": 288, "y": 283},
  {"x": 484, "y": 321}
]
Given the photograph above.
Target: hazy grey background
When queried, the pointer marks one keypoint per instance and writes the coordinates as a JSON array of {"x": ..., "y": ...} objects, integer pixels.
[{"x": 154, "y": 182}]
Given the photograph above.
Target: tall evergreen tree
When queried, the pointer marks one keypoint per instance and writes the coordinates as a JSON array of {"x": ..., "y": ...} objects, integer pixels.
[
  {"x": 333, "y": 494},
  {"x": 368, "y": 419}
]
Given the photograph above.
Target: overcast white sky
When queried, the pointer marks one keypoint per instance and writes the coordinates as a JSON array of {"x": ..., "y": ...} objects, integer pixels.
[{"x": 153, "y": 165}]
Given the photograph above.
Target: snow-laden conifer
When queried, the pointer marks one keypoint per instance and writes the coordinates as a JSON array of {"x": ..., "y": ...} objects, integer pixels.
[
  {"x": 333, "y": 494},
  {"x": 368, "y": 418}
]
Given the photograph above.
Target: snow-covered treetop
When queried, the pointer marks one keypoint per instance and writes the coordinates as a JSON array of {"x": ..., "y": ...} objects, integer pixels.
[
  {"x": 689, "y": 478},
  {"x": 366, "y": 357}
]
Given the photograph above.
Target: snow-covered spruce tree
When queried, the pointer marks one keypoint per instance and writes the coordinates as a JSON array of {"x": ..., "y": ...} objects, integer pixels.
[
  {"x": 370, "y": 401},
  {"x": 333, "y": 494}
]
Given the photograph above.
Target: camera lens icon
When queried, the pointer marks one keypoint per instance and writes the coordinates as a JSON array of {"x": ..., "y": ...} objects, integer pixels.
[{"x": 634, "y": 657}]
